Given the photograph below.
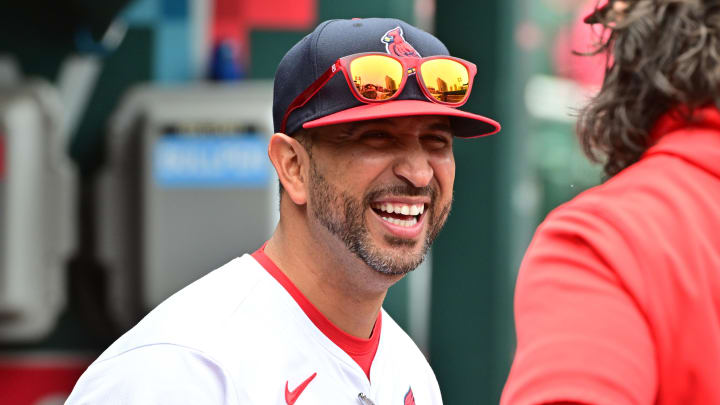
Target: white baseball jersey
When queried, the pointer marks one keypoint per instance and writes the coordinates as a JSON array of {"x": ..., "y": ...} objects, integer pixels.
[{"x": 242, "y": 335}]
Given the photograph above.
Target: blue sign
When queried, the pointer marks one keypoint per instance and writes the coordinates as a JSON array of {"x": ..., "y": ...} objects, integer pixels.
[{"x": 211, "y": 162}]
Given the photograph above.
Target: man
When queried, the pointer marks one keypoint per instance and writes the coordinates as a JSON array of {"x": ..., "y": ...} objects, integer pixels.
[
  {"x": 618, "y": 297},
  {"x": 366, "y": 184}
]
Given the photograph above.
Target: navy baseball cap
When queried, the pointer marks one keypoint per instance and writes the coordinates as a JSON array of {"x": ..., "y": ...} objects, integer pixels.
[{"x": 334, "y": 103}]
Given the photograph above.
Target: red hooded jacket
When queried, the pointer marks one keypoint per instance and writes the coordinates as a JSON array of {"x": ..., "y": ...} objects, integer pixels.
[{"x": 618, "y": 297}]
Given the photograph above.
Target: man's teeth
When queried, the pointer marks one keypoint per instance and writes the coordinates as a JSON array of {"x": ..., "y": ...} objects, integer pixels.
[
  {"x": 412, "y": 221},
  {"x": 404, "y": 209},
  {"x": 411, "y": 210}
]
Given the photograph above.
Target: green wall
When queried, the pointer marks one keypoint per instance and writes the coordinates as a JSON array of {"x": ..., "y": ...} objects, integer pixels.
[{"x": 473, "y": 269}]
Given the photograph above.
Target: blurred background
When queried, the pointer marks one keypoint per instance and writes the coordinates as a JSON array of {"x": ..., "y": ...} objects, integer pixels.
[{"x": 133, "y": 140}]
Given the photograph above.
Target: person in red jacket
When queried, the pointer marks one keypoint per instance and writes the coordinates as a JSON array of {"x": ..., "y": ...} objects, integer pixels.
[{"x": 618, "y": 297}]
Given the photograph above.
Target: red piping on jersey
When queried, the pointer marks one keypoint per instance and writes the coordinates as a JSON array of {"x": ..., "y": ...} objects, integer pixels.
[{"x": 361, "y": 350}]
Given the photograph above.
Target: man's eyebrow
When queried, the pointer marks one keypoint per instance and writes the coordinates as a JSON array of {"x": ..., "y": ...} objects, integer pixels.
[
  {"x": 353, "y": 127},
  {"x": 439, "y": 126}
]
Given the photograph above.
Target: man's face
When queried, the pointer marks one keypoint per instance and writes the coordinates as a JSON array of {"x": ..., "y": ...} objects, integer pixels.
[{"x": 383, "y": 187}]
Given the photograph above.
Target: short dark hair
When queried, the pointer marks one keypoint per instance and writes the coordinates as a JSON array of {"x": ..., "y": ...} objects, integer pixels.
[{"x": 661, "y": 54}]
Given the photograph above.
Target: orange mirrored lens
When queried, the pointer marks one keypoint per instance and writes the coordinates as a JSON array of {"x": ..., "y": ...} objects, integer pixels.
[
  {"x": 446, "y": 80},
  {"x": 376, "y": 77}
]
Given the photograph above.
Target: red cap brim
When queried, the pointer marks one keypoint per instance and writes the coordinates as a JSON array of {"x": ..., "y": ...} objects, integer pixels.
[
  {"x": 465, "y": 124},
  {"x": 591, "y": 18}
]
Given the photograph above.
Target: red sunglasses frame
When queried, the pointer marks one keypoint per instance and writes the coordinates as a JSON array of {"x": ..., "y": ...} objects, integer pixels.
[{"x": 410, "y": 66}]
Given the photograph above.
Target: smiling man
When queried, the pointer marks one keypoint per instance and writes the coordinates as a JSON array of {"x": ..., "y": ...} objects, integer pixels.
[{"x": 365, "y": 115}]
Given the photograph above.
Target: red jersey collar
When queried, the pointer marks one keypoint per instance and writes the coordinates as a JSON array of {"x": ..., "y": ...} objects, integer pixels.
[
  {"x": 695, "y": 139},
  {"x": 361, "y": 350},
  {"x": 678, "y": 118}
]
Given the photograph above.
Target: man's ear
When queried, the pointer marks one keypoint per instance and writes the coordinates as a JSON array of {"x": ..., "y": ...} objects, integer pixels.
[{"x": 291, "y": 161}]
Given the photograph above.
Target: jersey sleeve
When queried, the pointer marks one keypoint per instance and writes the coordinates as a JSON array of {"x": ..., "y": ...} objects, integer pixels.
[
  {"x": 154, "y": 374},
  {"x": 582, "y": 335}
]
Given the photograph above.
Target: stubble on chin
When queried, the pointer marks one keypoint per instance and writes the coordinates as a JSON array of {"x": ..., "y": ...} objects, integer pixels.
[{"x": 350, "y": 228}]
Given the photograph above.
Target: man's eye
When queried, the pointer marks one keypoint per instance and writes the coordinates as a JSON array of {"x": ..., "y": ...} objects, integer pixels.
[
  {"x": 376, "y": 135},
  {"x": 436, "y": 141}
]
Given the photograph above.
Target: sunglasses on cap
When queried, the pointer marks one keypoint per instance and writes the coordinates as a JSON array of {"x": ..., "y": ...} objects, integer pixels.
[{"x": 376, "y": 77}]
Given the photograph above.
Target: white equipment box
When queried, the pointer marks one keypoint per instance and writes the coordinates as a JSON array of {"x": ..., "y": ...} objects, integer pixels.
[{"x": 188, "y": 187}]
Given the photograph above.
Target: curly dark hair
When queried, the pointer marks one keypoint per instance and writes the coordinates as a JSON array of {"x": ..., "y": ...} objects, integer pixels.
[{"x": 661, "y": 54}]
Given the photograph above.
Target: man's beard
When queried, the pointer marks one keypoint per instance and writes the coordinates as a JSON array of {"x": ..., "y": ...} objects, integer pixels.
[{"x": 344, "y": 217}]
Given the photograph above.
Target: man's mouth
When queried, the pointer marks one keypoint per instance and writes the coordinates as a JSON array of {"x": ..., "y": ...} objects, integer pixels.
[{"x": 399, "y": 214}]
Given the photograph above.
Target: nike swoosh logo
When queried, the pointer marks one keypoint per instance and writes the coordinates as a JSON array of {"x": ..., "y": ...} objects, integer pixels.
[{"x": 292, "y": 396}]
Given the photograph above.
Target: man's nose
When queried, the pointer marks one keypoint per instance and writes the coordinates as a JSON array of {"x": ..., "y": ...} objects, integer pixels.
[{"x": 414, "y": 166}]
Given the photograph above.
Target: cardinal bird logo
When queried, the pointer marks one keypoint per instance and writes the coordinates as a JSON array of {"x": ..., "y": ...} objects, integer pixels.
[
  {"x": 409, "y": 397},
  {"x": 395, "y": 44}
]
